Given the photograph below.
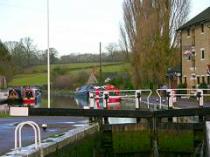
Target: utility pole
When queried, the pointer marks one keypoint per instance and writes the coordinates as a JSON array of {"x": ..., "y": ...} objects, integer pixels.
[
  {"x": 100, "y": 81},
  {"x": 48, "y": 56}
]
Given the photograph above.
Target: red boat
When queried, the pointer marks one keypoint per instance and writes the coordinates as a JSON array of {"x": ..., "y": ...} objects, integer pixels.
[
  {"x": 28, "y": 96},
  {"x": 114, "y": 97}
]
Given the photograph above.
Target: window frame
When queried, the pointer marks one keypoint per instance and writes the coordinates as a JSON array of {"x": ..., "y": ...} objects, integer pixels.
[
  {"x": 202, "y": 28},
  {"x": 203, "y": 79},
  {"x": 198, "y": 80},
  {"x": 188, "y": 32},
  {"x": 185, "y": 79},
  {"x": 208, "y": 79},
  {"x": 202, "y": 53}
]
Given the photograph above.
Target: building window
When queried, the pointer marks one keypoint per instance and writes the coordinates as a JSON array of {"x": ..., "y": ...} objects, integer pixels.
[
  {"x": 189, "y": 57},
  {"x": 188, "y": 32},
  {"x": 208, "y": 79},
  {"x": 203, "y": 79},
  {"x": 198, "y": 80},
  {"x": 185, "y": 80},
  {"x": 180, "y": 79},
  {"x": 202, "y": 28},
  {"x": 202, "y": 54}
]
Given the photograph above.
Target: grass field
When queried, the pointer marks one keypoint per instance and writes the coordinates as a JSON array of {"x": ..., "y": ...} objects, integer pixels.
[
  {"x": 69, "y": 67},
  {"x": 29, "y": 79},
  {"x": 38, "y": 75}
]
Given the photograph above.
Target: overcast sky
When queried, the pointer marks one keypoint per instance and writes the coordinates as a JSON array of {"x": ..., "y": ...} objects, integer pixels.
[{"x": 76, "y": 26}]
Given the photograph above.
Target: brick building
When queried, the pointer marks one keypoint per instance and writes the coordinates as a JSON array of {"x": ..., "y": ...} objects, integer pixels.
[{"x": 195, "y": 49}]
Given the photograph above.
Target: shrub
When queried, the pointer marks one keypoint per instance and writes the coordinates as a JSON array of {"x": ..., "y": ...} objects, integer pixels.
[
  {"x": 82, "y": 77},
  {"x": 70, "y": 82},
  {"x": 63, "y": 82},
  {"x": 203, "y": 86},
  {"x": 182, "y": 86},
  {"x": 122, "y": 82},
  {"x": 58, "y": 71}
]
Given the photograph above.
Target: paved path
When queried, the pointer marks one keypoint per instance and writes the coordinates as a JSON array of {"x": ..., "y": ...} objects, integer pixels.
[{"x": 56, "y": 125}]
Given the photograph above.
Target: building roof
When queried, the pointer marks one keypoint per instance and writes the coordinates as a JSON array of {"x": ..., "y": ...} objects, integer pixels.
[{"x": 203, "y": 17}]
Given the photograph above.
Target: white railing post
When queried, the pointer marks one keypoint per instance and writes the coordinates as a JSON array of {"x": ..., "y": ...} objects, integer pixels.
[
  {"x": 199, "y": 95},
  {"x": 91, "y": 104},
  {"x": 169, "y": 94},
  {"x": 148, "y": 97},
  {"x": 137, "y": 99},
  {"x": 91, "y": 100},
  {"x": 105, "y": 99},
  {"x": 160, "y": 98}
]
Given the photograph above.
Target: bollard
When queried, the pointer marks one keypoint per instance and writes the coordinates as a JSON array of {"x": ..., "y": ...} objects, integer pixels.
[{"x": 138, "y": 99}]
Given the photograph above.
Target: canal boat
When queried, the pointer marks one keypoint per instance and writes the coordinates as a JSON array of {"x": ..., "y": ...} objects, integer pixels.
[
  {"x": 84, "y": 90},
  {"x": 114, "y": 99},
  {"x": 31, "y": 96},
  {"x": 14, "y": 95}
]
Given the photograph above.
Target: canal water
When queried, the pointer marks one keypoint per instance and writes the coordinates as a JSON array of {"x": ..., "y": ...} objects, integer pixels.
[{"x": 70, "y": 102}]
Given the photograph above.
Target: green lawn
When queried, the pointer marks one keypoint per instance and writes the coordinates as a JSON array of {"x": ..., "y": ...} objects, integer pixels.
[
  {"x": 38, "y": 75},
  {"x": 29, "y": 79},
  {"x": 68, "y": 67}
]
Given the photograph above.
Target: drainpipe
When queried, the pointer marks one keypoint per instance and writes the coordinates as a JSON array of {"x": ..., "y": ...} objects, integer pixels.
[{"x": 181, "y": 56}]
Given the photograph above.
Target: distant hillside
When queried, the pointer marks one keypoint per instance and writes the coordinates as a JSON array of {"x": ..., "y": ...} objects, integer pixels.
[{"x": 37, "y": 75}]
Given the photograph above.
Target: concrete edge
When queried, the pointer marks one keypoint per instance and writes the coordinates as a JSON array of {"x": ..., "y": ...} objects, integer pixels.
[{"x": 50, "y": 145}]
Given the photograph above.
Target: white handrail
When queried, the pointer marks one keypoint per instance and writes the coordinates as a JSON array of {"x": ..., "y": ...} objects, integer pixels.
[
  {"x": 196, "y": 90},
  {"x": 20, "y": 134},
  {"x": 18, "y": 131},
  {"x": 121, "y": 94},
  {"x": 148, "y": 97},
  {"x": 160, "y": 98}
]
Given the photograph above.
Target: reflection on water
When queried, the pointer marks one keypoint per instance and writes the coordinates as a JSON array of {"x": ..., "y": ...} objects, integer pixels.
[{"x": 76, "y": 102}]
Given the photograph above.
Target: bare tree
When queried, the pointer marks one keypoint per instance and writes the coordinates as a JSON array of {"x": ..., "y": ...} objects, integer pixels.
[
  {"x": 111, "y": 48},
  {"x": 150, "y": 27},
  {"x": 123, "y": 43},
  {"x": 29, "y": 48}
]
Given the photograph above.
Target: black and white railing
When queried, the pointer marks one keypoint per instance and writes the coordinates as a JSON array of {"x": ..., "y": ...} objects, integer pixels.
[
  {"x": 172, "y": 94},
  {"x": 107, "y": 97}
]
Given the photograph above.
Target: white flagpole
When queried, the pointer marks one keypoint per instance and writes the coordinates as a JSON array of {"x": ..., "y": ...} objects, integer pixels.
[{"x": 48, "y": 56}]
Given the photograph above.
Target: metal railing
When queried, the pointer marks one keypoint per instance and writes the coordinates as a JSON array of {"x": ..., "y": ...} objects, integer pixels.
[
  {"x": 171, "y": 94},
  {"x": 18, "y": 134},
  {"x": 125, "y": 94}
]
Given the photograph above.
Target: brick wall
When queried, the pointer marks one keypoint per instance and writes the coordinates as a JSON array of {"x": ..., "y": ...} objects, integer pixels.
[{"x": 202, "y": 41}]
